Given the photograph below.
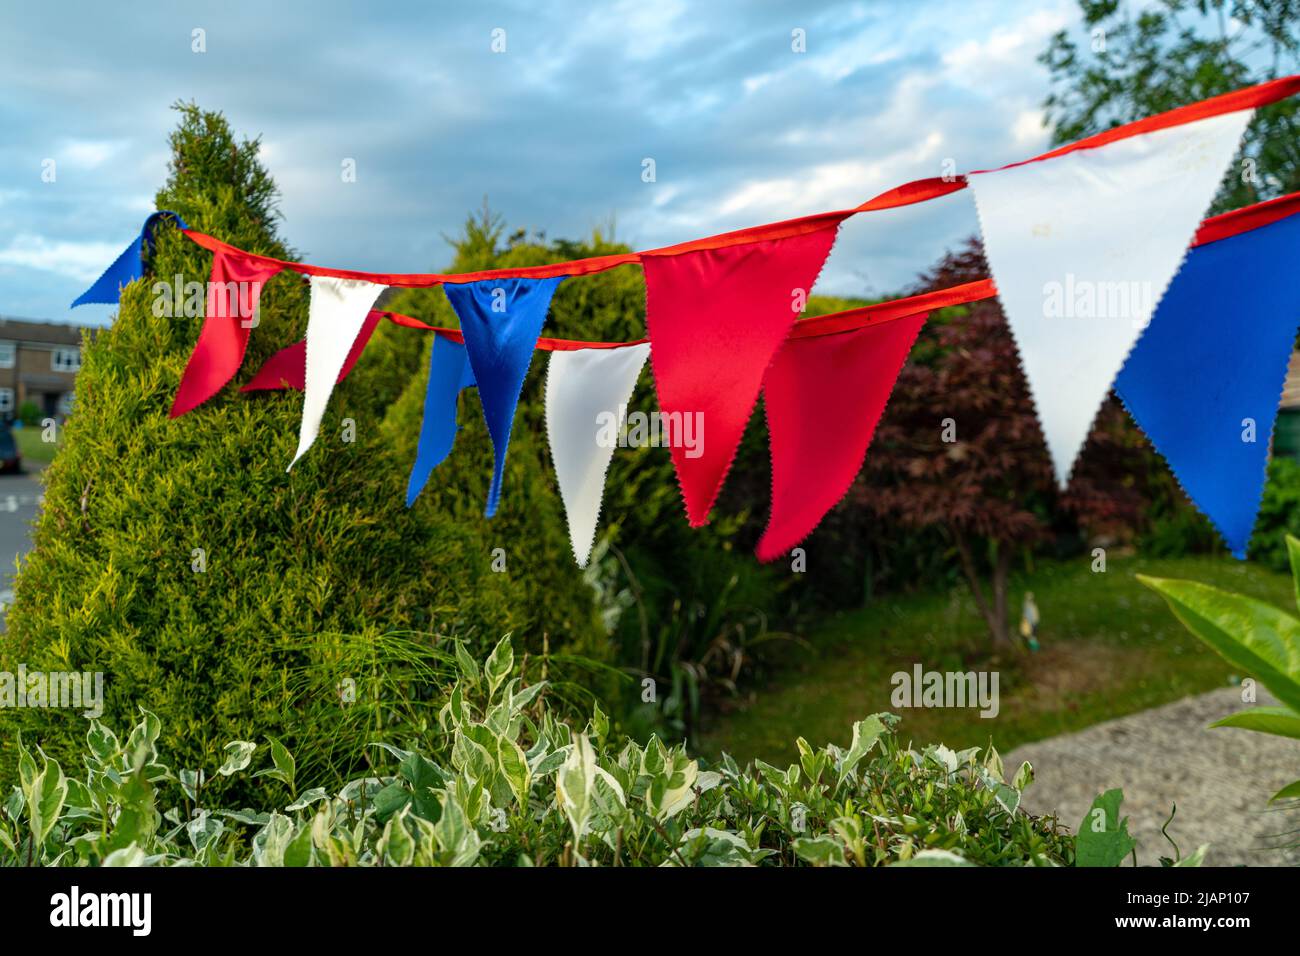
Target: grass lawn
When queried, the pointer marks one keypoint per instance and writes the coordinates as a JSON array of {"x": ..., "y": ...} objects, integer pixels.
[
  {"x": 1109, "y": 647},
  {"x": 32, "y": 448}
]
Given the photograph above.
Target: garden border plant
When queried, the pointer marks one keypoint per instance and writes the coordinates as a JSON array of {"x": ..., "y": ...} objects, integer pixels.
[
  {"x": 1262, "y": 640},
  {"x": 501, "y": 781}
]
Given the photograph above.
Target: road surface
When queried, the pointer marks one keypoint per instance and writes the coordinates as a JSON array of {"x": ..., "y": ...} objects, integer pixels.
[{"x": 19, "y": 498}]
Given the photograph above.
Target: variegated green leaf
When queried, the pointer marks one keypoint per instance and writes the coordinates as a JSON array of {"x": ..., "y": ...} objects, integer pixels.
[
  {"x": 468, "y": 666},
  {"x": 1024, "y": 776},
  {"x": 670, "y": 791},
  {"x": 395, "y": 845},
  {"x": 45, "y": 797},
  {"x": 865, "y": 735},
  {"x": 274, "y": 838},
  {"x": 573, "y": 785},
  {"x": 514, "y": 767},
  {"x": 307, "y": 799},
  {"x": 284, "y": 767},
  {"x": 820, "y": 851},
  {"x": 1197, "y": 858},
  {"x": 935, "y": 857},
  {"x": 239, "y": 753},
  {"x": 499, "y": 665},
  {"x": 131, "y": 855}
]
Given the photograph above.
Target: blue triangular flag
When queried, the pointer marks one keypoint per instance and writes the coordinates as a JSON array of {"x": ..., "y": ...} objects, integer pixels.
[
  {"x": 501, "y": 320},
  {"x": 127, "y": 267},
  {"x": 449, "y": 372},
  {"x": 1205, "y": 380}
]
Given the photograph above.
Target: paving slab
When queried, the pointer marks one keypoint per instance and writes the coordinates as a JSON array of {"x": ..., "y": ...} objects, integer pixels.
[{"x": 1221, "y": 780}]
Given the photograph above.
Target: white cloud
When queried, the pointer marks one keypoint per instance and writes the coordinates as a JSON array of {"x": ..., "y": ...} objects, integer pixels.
[
  {"x": 83, "y": 261},
  {"x": 664, "y": 195},
  {"x": 816, "y": 189},
  {"x": 1028, "y": 130},
  {"x": 1004, "y": 46},
  {"x": 929, "y": 147},
  {"x": 639, "y": 30},
  {"x": 744, "y": 130},
  {"x": 89, "y": 153}
]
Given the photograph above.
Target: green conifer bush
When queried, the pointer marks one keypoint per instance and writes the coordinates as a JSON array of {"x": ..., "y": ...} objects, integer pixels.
[{"x": 179, "y": 559}]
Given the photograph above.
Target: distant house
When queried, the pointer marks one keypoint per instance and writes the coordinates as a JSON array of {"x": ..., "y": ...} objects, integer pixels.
[
  {"x": 1286, "y": 433},
  {"x": 38, "y": 364}
]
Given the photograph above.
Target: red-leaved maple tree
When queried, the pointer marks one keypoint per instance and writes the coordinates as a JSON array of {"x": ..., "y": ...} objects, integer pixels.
[{"x": 959, "y": 450}]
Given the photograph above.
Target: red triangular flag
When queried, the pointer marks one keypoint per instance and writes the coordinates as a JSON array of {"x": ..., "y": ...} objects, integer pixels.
[
  {"x": 823, "y": 396},
  {"x": 287, "y": 368},
  {"x": 233, "y": 293},
  {"x": 715, "y": 318}
]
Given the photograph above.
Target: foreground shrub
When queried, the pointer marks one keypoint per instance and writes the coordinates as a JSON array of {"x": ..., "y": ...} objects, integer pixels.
[
  {"x": 1262, "y": 640},
  {"x": 501, "y": 781}
]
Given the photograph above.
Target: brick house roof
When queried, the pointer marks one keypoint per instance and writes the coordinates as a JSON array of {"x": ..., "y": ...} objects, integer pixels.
[{"x": 46, "y": 333}]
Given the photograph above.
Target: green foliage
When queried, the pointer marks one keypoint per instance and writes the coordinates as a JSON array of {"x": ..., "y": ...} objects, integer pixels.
[
  {"x": 1258, "y": 638},
  {"x": 1103, "y": 838},
  {"x": 178, "y": 558},
  {"x": 985, "y": 491},
  {"x": 686, "y": 607},
  {"x": 1175, "y": 528},
  {"x": 1279, "y": 514},
  {"x": 1095, "y": 669},
  {"x": 499, "y": 780},
  {"x": 29, "y": 413}
]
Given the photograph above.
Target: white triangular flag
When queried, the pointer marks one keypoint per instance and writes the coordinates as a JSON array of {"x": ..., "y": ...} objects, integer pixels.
[
  {"x": 587, "y": 392},
  {"x": 1082, "y": 247},
  {"x": 338, "y": 310}
]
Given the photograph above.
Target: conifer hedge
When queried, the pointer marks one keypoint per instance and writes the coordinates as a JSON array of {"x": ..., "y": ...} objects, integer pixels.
[{"x": 234, "y": 600}]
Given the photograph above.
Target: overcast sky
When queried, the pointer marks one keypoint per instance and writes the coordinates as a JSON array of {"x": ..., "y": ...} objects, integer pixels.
[{"x": 554, "y": 130}]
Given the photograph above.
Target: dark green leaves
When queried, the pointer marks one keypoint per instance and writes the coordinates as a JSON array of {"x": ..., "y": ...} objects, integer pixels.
[
  {"x": 1262, "y": 640},
  {"x": 1257, "y": 637},
  {"x": 1103, "y": 838}
]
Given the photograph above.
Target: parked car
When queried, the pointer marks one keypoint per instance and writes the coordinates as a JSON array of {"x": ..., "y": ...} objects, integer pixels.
[{"x": 11, "y": 461}]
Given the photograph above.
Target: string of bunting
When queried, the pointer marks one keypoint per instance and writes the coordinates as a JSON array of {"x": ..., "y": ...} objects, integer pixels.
[{"x": 1106, "y": 273}]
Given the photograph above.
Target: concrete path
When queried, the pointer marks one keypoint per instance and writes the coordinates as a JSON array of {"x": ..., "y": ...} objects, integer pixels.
[{"x": 1221, "y": 780}]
